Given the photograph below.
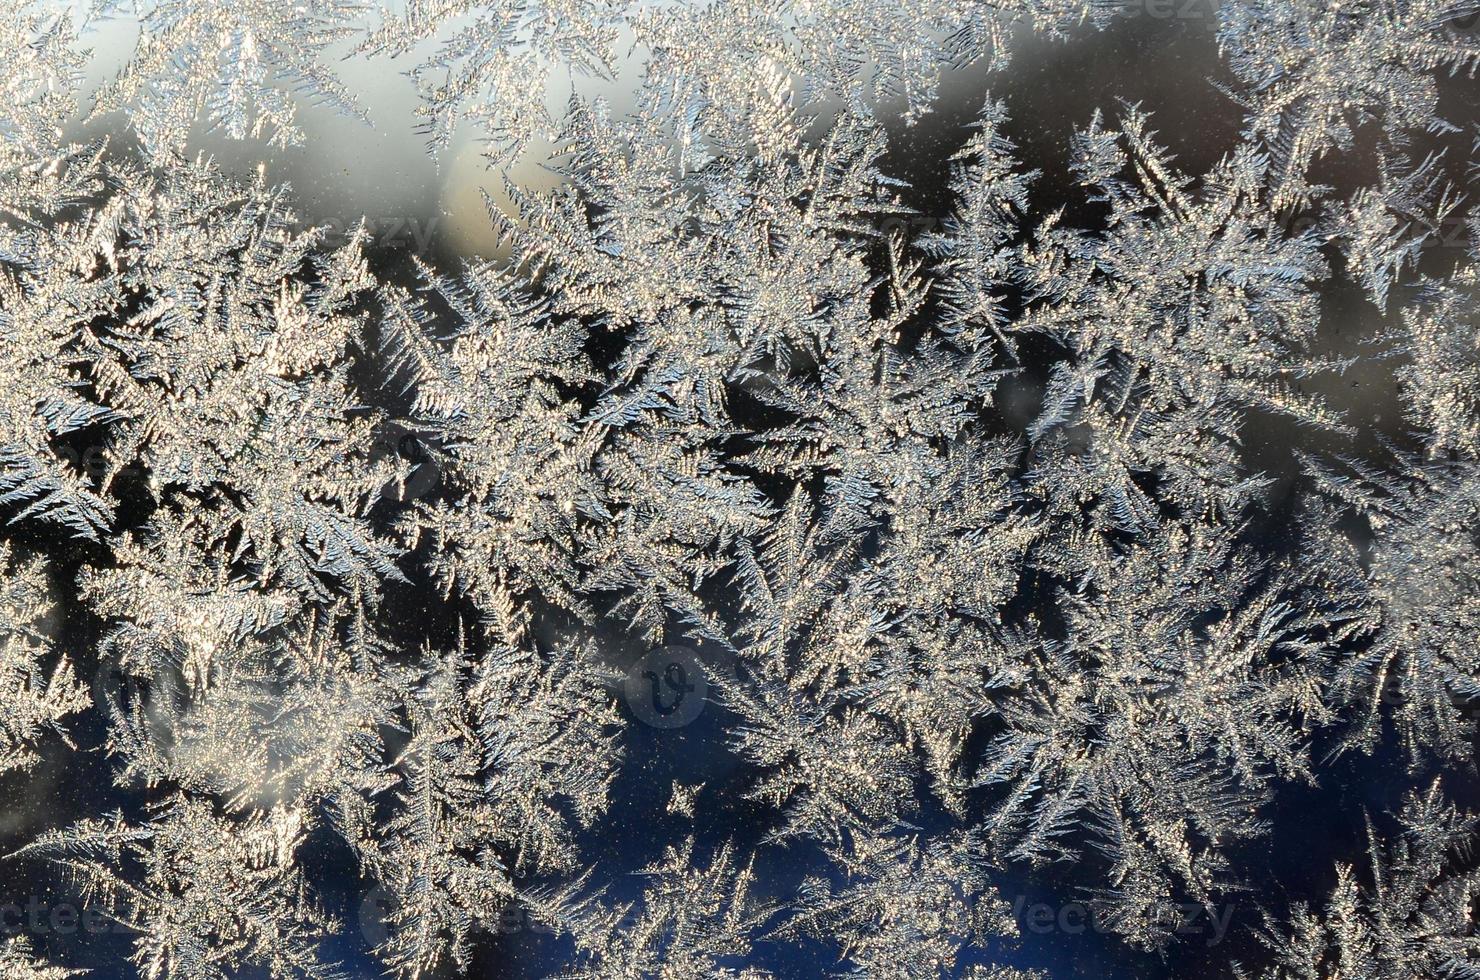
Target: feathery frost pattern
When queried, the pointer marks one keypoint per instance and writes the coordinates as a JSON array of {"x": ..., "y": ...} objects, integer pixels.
[{"x": 819, "y": 539}]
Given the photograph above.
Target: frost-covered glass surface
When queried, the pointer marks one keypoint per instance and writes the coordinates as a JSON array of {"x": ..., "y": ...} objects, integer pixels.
[{"x": 626, "y": 489}]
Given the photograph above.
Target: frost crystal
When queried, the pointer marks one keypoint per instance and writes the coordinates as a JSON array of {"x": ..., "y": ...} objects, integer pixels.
[{"x": 815, "y": 533}]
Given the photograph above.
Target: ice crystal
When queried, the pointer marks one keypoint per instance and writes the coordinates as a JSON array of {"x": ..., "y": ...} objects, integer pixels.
[
  {"x": 214, "y": 895},
  {"x": 1408, "y": 913},
  {"x": 37, "y": 691},
  {"x": 16, "y": 958},
  {"x": 1022, "y": 527},
  {"x": 237, "y": 67},
  {"x": 691, "y": 922}
]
